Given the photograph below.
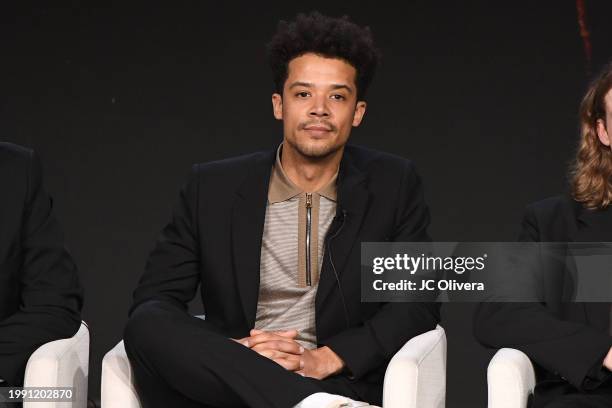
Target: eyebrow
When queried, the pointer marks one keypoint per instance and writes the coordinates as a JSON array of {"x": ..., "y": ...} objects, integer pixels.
[{"x": 310, "y": 85}]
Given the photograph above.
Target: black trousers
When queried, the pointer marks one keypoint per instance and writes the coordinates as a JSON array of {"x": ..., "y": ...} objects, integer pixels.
[
  {"x": 560, "y": 394},
  {"x": 181, "y": 361}
]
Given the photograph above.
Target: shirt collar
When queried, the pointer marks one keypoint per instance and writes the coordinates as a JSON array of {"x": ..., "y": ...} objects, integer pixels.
[{"x": 282, "y": 188}]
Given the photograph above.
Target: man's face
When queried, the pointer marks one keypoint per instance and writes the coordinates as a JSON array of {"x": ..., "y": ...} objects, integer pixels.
[
  {"x": 319, "y": 105},
  {"x": 603, "y": 129}
]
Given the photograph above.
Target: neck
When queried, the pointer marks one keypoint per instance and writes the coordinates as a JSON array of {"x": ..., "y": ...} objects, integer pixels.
[{"x": 307, "y": 173}]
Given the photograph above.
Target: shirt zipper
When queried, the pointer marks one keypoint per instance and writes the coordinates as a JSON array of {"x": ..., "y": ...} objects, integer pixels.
[{"x": 308, "y": 232}]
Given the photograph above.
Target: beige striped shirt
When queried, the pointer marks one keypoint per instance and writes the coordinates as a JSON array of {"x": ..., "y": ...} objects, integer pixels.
[{"x": 285, "y": 300}]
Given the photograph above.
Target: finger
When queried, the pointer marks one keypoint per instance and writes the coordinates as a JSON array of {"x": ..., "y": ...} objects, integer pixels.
[
  {"x": 283, "y": 333},
  {"x": 244, "y": 341},
  {"x": 289, "y": 347},
  {"x": 260, "y": 338},
  {"x": 309, "y": 374},
  {"x": 287, "y": 333},
  {"x": 288, "y": 364},
  {"x": 280, "y": 345},
  {"x": 271, "y": 354},
  {"x": 264, "y": 337},
  {"x": 274, "y": 355},
  {"x": 284, "y": 346},
  {"x": 292, "y": 333}
]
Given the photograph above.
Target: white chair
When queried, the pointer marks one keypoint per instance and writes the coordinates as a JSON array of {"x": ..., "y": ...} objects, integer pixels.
[
  {"x": 415, "y": 377},
  {"x": 510, "y": 379},
  {"x": 61, "y": 363}
]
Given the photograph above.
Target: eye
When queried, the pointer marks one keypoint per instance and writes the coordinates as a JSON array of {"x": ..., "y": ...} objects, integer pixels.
[
  {"x": 302, "y": 94},
  {"x": 338, "y": 97}
]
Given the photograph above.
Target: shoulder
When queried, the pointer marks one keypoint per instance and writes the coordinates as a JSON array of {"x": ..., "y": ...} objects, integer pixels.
[
  {"x": 390, "y": 177},
  {"x": 553, "y": 208},
  {"x": 232, "y": 165},
  {"x": 552, "y": 219},
  {"x": 381, "y": 167},
  {"x": 229, "y": 174},
  {"x": 366, "y": 158}
]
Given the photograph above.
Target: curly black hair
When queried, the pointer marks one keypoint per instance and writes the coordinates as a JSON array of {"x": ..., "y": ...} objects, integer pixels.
[{"x": 326, "y": 36}]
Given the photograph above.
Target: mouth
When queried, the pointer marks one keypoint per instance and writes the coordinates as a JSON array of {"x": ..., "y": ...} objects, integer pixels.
[
  {"x": 317, "y": 129},
  {"x": 318, "y": 132}
]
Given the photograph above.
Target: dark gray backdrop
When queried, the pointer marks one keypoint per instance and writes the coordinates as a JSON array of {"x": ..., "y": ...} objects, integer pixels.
[{"x": 119, "y": 101}]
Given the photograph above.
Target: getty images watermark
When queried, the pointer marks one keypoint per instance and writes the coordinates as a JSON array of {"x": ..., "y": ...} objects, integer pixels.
[
  {"x": 427, "y": 263},
  {"x": 485, "y": 271}
]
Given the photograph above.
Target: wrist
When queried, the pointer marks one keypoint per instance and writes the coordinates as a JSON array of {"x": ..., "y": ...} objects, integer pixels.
[{"x": 333, "y": 363}]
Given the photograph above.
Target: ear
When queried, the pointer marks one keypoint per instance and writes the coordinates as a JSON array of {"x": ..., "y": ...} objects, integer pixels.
[
  {"x": 277, "y": 106},
  {"x": 360, "y": 109},
  {"x": 602, "y": 132}
]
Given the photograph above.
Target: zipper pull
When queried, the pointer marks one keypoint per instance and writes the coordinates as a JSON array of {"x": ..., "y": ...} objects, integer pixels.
[{"x": 308, "y": 200}]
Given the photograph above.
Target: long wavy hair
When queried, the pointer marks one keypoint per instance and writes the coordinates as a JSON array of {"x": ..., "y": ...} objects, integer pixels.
[{"x": 591, "y": 171}]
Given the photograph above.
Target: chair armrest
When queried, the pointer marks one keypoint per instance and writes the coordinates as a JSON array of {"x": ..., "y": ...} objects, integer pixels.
[
  {"x": 118, "y": 380},
  {"x": 61, "y": 363},
  {"x": 416, "y": 375},
  {"x": 510, "y": 379}
]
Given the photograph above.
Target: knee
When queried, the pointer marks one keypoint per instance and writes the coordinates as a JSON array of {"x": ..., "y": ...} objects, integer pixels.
[{"x": 143, "y": 327}]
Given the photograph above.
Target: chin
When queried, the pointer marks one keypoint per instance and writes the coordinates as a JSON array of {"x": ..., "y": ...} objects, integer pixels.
[{"x": 317, "y": 150}]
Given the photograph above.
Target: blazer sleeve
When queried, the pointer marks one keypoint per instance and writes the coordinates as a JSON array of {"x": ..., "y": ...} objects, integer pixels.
[
  {"x": 172, "y": 269},
  {"x": 50, "y": 296},
  {"x": 572, "y": 350},
  {"x": 368, "y": 346}
]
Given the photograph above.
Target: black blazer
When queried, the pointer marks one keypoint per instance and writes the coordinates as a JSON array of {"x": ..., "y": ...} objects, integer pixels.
[
  {"x": 215, "y": 235},
  {"x": 40, "y": 296},
  {"x": 566, "y": 341}
]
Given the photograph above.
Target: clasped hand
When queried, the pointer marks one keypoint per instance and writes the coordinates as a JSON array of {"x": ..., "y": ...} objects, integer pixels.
[{"x": 282, "y": 348}]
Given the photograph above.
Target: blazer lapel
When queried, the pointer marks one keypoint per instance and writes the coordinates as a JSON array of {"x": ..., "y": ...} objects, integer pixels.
[
  {"x": 247, "y": 223},
  {"x": 353, "y": 199}
]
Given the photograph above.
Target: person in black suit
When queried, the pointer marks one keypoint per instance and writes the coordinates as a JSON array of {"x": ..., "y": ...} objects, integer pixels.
[
  {"x": 284, "y": 325},
  {"x": 40, "y": 295},
  {"x": 570, "y": 344}
]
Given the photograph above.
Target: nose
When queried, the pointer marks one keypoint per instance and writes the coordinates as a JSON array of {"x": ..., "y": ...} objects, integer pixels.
[{"x": 319, "y": 108}]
